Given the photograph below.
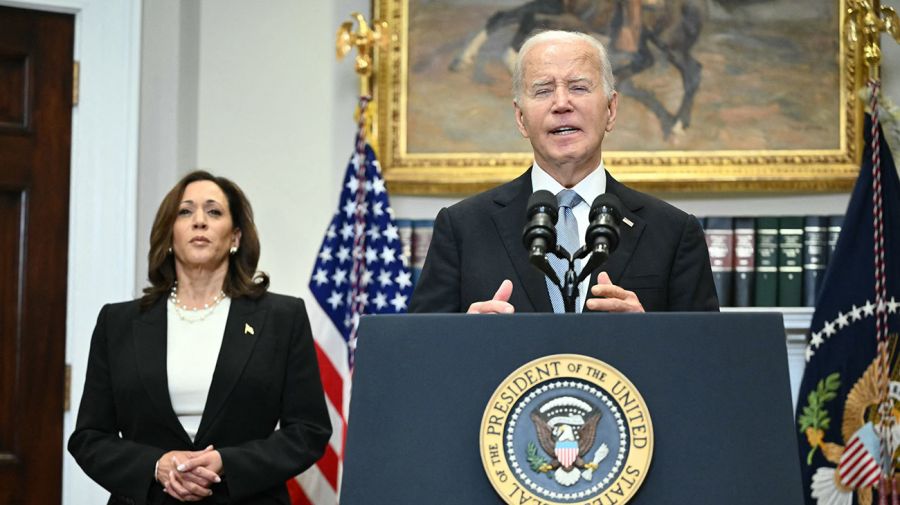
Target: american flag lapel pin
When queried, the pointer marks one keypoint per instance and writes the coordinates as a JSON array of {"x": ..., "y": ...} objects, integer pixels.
[
  {"x": 248, "y": 330},
  {"x": 628, "y": 222}
]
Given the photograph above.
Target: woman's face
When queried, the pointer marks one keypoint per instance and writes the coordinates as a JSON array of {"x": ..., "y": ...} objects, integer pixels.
[{"x": 204, "y": 231}]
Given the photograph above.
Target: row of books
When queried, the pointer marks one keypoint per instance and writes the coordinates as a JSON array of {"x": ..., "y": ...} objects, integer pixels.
[
  {"x": 415, "y": 235},
  {"x": 770, "y": 261},
  {"x": 764, "y": 261}
]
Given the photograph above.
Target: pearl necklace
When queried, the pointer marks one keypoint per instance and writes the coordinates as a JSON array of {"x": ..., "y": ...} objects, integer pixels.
[{"x": 196, "y": 314}]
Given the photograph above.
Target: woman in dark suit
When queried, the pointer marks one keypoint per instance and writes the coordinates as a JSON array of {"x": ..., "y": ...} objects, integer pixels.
[{"x": 206, "y": 388}]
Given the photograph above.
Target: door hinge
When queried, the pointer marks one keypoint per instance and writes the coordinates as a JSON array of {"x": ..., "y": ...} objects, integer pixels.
[
  {"x": 76, "y": 66},
  {"x": 67, "y": 389}
]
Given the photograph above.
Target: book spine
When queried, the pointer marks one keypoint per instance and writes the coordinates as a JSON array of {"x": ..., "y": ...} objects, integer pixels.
[
  {"x": 421, "y": 239},
  {"x": 744, "y": 261},
  {"x": 834, "y": 231},
  {"x": 790, "y": 261},
  {"x": 815, "y": 255},
  {"x": 720, "y": 242},
  {"x": 766, "y": 282}
]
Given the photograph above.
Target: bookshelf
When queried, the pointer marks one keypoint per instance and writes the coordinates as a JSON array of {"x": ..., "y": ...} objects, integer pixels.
[{"x": 796, "y": 324}]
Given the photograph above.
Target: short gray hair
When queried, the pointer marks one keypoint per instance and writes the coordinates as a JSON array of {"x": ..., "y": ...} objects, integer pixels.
[{"x": 609, "y": 82}]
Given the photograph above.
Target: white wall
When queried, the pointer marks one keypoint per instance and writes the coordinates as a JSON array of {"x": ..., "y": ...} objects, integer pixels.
[
  {"x": 168, "y": 121},
  {"x": 271, "y": 109}
]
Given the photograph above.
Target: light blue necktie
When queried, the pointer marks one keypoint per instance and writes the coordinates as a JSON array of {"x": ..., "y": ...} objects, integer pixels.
[{"x": 567, "y": 237}]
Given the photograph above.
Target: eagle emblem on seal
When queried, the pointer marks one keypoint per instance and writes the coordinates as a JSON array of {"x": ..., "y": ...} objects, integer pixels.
[{"x": 566, "y": 430}]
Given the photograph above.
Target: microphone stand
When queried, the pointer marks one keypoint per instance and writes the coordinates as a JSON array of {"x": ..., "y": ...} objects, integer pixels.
[{"x": 568, "y": 286}]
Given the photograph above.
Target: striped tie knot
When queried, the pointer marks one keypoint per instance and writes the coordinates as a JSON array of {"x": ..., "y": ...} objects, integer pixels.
[{"x": 568, "y": 198}]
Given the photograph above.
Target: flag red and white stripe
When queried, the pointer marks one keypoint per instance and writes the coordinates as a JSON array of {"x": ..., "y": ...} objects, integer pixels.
[
  {"x": 858, "y": 466},
  {"x": 320, "y": 484}
]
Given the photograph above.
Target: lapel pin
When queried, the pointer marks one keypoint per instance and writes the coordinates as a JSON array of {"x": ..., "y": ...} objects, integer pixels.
[
  {"x": 248, "y": 330},
  {"x": 628, "y": 222}
]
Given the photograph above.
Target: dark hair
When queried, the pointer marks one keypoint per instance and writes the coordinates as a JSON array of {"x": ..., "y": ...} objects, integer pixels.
[{"x": 242, "y": 278}]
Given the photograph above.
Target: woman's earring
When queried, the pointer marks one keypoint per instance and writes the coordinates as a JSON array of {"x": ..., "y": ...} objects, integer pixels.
[
  {"x": 233, "y": 250},
  {"x": 170, "y": 250}
]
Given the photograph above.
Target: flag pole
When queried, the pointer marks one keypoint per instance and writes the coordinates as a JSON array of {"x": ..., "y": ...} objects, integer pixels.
[{"x": 865, "y": 21}]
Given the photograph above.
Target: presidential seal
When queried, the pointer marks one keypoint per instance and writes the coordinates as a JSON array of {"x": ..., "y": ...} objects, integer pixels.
[{"x": 566, "y": 429}]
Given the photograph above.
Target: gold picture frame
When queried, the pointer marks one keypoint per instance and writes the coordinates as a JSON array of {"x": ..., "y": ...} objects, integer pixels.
[{"x": 419, "y": 154}]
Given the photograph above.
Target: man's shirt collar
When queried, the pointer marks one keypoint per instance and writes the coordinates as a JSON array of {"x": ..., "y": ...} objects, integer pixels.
[{"x": 588, "y": 188}]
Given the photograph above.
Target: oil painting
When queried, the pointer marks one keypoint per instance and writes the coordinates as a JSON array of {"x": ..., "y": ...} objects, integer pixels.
[{"x": 721, "y": 95}]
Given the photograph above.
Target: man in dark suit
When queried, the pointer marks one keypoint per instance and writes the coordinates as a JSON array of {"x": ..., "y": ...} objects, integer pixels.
[{"x": 564, "y": 104}]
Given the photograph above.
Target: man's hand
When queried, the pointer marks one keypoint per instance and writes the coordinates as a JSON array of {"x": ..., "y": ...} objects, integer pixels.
[
  {"x": 499, "y": 304},
  {"x": 612, "y": 297}
]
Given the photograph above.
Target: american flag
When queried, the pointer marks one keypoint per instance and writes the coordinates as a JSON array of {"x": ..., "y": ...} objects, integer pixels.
[{"x": 360, "y": 269}]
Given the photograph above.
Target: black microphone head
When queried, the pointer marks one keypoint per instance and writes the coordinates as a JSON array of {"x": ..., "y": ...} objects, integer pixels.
[
  {"x": 606, "y": 203},
  {"x": 539, "y": 235},
  {"x": 602, "y": 234},
  {"x": 543, "y": 201}
]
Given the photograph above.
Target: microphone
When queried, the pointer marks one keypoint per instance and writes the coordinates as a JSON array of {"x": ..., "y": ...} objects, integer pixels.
[
  {"x": 540, "y": 230},
  {"x": 539, "y": 235},
  {"x": 602, "y": 235}
]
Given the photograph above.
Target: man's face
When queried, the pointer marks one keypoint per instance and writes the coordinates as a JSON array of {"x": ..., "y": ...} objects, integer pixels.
[{"x": 563, "y": 109}]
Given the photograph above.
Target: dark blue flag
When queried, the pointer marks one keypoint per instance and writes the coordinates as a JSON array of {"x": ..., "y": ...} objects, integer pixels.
[{"x": 840, "y": 427}]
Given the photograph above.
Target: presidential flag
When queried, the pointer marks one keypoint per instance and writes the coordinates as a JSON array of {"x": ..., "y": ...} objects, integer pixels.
[
  {"x": 360, "y": 269},
  {"x": 845, "y": 430}
]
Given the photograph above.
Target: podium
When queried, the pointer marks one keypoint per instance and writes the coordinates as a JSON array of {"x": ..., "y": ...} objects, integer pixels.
[{"x": 715, "y": 384}]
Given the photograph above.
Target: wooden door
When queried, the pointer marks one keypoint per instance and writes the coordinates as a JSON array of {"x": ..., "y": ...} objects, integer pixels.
[{"x": 35, "y": 132}]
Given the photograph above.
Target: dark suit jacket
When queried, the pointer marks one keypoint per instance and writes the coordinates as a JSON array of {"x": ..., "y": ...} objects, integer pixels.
[
  {"x": 263, "y": 376},
  {"x": 477, "y": 243}
]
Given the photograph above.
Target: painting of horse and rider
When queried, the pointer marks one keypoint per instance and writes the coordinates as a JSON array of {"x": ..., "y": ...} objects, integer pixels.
[{"x": 693, "y": 75}]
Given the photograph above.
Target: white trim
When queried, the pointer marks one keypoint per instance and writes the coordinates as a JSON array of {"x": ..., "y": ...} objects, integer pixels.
[{"x": 102, "y": 195}]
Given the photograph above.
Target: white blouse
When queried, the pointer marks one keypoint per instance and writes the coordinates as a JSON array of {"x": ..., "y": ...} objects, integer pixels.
[{"x": 194, "y": 340}]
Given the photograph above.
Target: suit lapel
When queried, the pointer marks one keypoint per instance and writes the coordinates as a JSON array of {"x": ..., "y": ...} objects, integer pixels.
[
  {"x": 509, "y": 218},
  {"x": 242, "y": 329},
  {"x": 150, "y": 345},
  {"x": 628, "y": 235}
]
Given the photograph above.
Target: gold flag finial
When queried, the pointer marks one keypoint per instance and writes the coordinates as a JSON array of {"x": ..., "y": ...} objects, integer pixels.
[
  {"x": 365, "y": 39},
  {"x": 866, "y": 20}
]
